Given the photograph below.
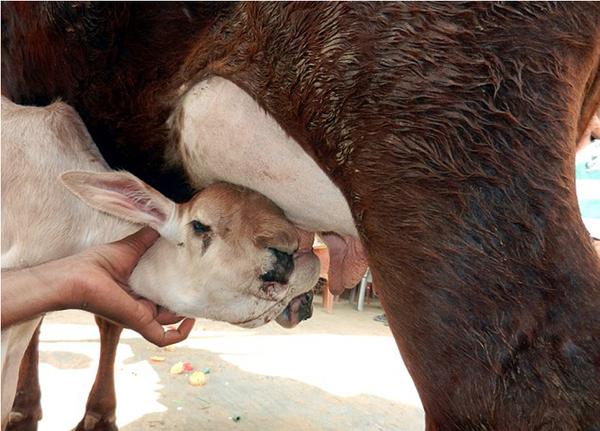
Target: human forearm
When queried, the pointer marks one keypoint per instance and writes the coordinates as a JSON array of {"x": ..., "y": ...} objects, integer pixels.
[
  {"x": 94, "y": 280},
  {"x": 31, "y": 292}
]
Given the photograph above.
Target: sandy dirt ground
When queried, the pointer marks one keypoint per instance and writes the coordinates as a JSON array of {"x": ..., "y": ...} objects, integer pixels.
[{"x": 339, "y": 371}]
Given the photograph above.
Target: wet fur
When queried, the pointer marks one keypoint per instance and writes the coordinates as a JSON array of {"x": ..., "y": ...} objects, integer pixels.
[{"x": 451, "y": 130}]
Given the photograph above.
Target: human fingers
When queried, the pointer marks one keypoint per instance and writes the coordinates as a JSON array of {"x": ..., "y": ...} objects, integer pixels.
[
  {"x": 156, "y": 334},
  {"x": 130, "y": 249},
  {"x": 141, "y": 240},
  {"x": 150, "y": 319},
  {"x": 167, "y": 317},
  {"x": 162, "y": 315}
]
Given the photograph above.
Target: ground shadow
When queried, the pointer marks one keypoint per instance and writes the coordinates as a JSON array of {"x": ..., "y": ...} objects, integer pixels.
[{"x": 261, "y": 402}]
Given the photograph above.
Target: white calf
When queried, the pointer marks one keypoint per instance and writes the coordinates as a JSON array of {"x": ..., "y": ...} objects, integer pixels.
[{"x": 228, "y": 254}]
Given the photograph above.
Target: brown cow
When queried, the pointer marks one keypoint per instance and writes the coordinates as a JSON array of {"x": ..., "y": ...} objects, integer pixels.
[{"x": 449, "y": 128}]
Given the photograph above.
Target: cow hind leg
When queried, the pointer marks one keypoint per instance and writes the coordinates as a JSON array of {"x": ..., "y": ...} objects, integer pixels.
[
  {"x": 27, "y": 410},
  {"x": 102, "y": 402}
]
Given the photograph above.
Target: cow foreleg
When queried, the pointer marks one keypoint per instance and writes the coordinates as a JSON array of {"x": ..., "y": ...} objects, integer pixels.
[
  {"x": 102, "y": 402},
  {"x": 27, "y": 410}
]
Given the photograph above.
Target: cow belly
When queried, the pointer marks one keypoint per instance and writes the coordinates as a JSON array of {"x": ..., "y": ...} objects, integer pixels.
[{"x": 227, "y": 136}]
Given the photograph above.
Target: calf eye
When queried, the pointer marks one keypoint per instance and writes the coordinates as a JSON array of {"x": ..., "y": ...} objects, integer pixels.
[{"x": 199, "y": 227}]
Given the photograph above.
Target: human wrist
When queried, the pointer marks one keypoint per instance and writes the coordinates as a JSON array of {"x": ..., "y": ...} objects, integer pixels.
[
  {"x": 28, "y": 293},
  {"x": 57, "y": 278}
]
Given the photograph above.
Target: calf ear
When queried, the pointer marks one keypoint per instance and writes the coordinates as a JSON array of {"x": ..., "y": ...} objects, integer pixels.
[{"x": 123, "y": 195}]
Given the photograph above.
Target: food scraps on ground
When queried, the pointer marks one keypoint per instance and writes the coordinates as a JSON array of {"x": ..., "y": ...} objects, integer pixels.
[
  {"x": 181, "y": 367},
  {"x": 157, "y": 358},
  {"x": 177, "y": 368},
  {"x": 197, "y": 378}
]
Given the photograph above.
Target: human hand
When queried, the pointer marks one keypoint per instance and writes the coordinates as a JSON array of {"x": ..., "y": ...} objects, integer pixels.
[{"x": 97, "y": 281}]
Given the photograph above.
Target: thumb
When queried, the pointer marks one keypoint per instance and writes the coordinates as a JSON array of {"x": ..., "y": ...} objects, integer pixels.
[{"x": 139, "y": 241}]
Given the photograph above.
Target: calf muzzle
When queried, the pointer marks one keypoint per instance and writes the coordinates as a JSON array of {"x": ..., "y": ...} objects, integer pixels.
[{"x": 300, "y": 308}]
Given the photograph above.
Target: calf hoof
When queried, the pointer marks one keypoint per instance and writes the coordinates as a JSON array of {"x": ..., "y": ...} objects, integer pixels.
[
  {"x": 93, "y": 421},
  {"x": 21, "y": 421}
]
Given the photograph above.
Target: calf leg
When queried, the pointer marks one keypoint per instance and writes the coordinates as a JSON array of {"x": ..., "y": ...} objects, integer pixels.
[
  {"x": 101, "y": 403},
  {"x": 27, "y": 410}
]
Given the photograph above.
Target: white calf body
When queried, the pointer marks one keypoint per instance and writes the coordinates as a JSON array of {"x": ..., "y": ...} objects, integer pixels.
[
  {"x": 40, "y": 149},
  {"x": 214, "y": 274}
]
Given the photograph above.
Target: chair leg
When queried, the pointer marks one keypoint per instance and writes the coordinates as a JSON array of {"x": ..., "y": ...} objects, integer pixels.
[{"x": 327, "y": 298}]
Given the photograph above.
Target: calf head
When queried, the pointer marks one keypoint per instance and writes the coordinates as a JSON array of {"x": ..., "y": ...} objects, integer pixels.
[{"x": 228, "y": 254}]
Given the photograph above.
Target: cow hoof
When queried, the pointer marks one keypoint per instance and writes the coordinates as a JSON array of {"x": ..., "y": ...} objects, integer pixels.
[
  {"x": 19, "y": 421},
  {"x": 93, "y": 421}
]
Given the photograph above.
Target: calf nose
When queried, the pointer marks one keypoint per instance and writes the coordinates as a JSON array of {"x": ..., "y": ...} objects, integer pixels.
[
  {"x": 282, "y": 268},
  {"x": 306, "y": 308}
]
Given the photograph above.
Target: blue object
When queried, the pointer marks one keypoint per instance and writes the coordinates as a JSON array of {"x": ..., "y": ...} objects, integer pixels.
[{"x": 587, "y": 172}]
